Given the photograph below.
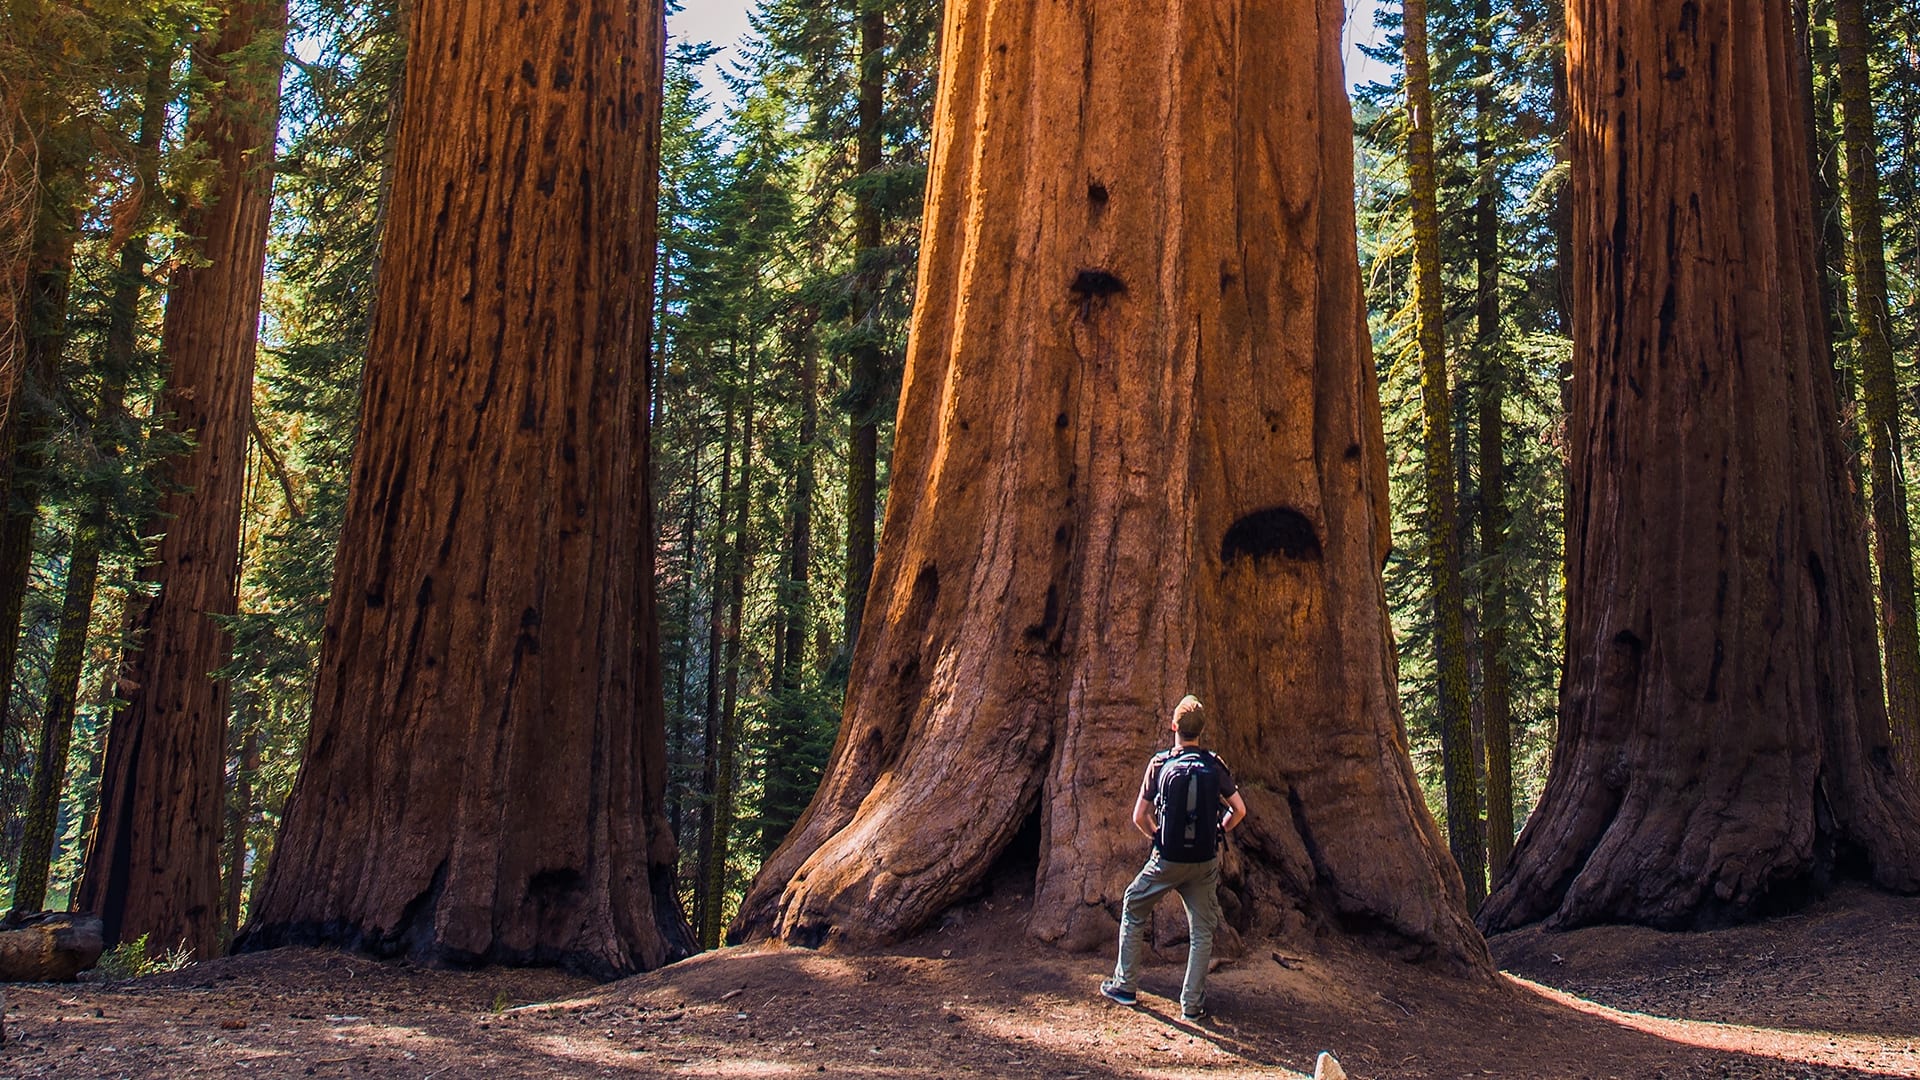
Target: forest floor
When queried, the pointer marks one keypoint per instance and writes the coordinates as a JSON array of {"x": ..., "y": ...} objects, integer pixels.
[{"x": 1831, "y": 992}]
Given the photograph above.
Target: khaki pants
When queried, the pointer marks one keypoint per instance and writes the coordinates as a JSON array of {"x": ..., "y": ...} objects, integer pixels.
[{"x": 1198, "y": 886}]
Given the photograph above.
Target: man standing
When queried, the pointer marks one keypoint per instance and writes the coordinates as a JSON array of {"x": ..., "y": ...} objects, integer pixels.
[{"x": 1180, "y": 810}]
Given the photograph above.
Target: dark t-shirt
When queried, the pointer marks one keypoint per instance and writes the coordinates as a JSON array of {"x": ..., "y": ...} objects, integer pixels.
[{"x": 1150, "y": 785}]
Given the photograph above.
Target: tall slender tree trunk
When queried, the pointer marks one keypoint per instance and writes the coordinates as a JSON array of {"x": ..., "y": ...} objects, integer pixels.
[
  {"x": 1465, "y": 833},
  {"x": 863, "y": 377},
  {"x": 1827, "y": 196},
  {"x": 24, "y": 438},
  {"x": 1496, "y": 704},
  {"x": 1723, "y": 748},
  {"x": 1139, "y": 456},
  {"x": 1828, "y": 199},
  {"x": 787, "y": 784},
  {"x": 689, "y": 534},
  {"x": 710, "y": 746},
  {"x": 153, "y": 867},
  {"x": 239, "y": 816},
  {"x": 1561, "y": 215},
  {"x": 726, "y": 785},
  {"x": 482, "y": 780},
  {"x": 83, "y": 562},
  {"x": 1892, "y": 532},
  {"x": 28, "y": 426},
  {"x": 652, "y": 837},
  {"x": 20, "y": 162}
]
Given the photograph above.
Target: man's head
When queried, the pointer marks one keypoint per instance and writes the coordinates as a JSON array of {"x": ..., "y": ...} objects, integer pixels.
[{"x": 1189, "y": 719}]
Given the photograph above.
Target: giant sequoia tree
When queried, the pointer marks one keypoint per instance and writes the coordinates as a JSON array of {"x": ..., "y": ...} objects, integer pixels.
[
  {"x": 153, "y": 865},
  {"x": 1139, "y": 454},
  {"x": 1723, "y": 746},
  {"x": 486, "y": 765}
]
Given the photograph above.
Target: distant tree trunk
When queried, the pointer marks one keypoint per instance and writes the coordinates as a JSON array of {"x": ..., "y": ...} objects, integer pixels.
[
  {"x": 689, "y": 533},
  {"x": 83, "y": 562},
  {"x": 654, "y": 840},
  {"x": 726, "y": 785},
  {"x": 710, "y": 746},
  {"x": 153, "y": 867},
  {"x": 1560, "y": 217},
  {"x": 863, "y": 376},
  {"x": 27, "y": 427},
  {"x": 1892, "y": 533},
  {"x": 1832, "y": 234},
  {"x": 25, "y": 435},
  {"x": 1465, "y": 833},
  {"x": 239, "y": 814},
  {"x": 1139, "y": 456},
  {"x": 1723, "y": 747},
  {"x": 1496, "y": 706},
  {"x": 1560, "y": 211},
  {"x": 788, "y": 778},
  {"x": 19, "y": 202},
  {"x": 482, "y": 777},
  {"x": 1826, "y": 176}
]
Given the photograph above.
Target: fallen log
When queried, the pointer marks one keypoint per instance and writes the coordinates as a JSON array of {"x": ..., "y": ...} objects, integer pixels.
[{"x": 50, "y": 947}]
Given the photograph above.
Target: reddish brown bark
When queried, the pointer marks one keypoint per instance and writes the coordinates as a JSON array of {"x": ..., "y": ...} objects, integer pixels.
[
  {"x": 153, "y": 866},
  {"x": 484, "y": 779},
  {"x": 1139, "y": 456},
  {"x": 1723, "y": 748}
]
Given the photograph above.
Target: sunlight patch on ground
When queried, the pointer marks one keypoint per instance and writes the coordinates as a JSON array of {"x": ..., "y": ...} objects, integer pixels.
[{"x": 1781, "y": 1044}]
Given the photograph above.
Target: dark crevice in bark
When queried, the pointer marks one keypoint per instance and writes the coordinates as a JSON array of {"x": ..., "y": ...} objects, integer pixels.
[{"x": 1264, "y": 534}]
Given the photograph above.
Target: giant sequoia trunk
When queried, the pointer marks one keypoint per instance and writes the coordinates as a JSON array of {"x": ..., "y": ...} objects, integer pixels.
[
  {"x": 1723, "y": 746},
  {"x": 484, "y": 779},
  {"x": 153, "y": 867},
  {"x": 1139, "y": 455}
]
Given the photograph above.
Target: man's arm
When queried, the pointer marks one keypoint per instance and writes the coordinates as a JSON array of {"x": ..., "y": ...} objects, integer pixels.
[
  {"x": 1143, "y": 817},
  {"x": 1236, "y": 812}
]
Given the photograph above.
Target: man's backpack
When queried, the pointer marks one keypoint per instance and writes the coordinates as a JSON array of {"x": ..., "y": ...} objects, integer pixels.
[{"x": 1188, "y": 802}]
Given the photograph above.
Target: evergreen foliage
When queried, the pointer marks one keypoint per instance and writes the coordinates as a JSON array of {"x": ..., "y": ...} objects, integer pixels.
[{"x": 1532, "y": 353}]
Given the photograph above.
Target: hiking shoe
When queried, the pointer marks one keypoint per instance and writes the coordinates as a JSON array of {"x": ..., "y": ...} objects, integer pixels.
[
  {"x": 1113, "y": 991},
  {"x": 1193, "y": 1015}
]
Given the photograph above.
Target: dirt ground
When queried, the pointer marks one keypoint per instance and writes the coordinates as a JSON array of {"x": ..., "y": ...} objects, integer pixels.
[{"x": 1826, "y": 993}]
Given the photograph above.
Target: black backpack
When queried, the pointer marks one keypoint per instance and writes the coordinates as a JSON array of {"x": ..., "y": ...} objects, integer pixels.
[{"x": 1188, "y": 801}]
